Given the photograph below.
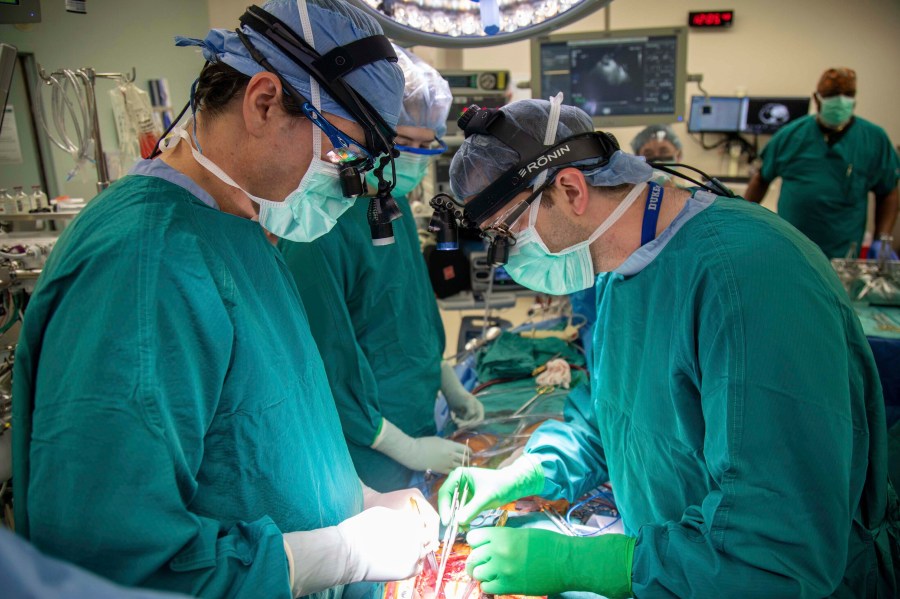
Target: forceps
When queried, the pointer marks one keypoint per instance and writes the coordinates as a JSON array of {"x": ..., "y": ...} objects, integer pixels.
[
  {"x": 543, "y": 390},
  {"x": 452, "y": 528}
]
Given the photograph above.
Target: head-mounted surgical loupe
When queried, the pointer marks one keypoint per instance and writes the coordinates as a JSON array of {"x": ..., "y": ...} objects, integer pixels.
[
  {"x": 353, "y": 159},
  {"x": 535, "y": 158}
]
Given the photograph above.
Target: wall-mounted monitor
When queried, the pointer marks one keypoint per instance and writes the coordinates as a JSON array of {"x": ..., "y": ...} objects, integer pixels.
[
  {"x": 765, "y": 116},
  {"x": 20, "y": 11},
  {"x": 753, "y": 115},
  {"x": 620, "y": 78},
  {"x": 715, "y": 114}
]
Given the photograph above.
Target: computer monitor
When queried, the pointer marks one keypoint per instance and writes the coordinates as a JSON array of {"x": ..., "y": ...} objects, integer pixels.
[
  {"x": 20, "y": 11},
  {"x": 753, "y": 115},
  {"x": 764, "y": 116},
  {"x": 620, "y": 78},
  {"x": 715, "y": 114}
]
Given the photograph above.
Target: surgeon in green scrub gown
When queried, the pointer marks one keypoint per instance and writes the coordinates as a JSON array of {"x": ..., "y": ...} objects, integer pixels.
[
  {"x": 734, "y": 407},
  {"x": 375, "y": 318},
  {"x": 828, "y": 164},
  {"x": 173, "y": 424}
]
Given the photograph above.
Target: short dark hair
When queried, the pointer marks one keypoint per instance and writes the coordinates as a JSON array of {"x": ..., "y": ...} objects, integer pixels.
[
  {"x": 218, "y": 84},
  {"x": 548, "y": 198}
]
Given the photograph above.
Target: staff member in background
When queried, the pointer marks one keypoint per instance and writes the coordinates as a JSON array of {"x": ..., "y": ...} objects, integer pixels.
[
  {"x": 375, "y": 319},
  {"x": 828, "y": 164},
  {"x": 657, "y": 143},
  {"x": 734, "y": 404},
  {"x": 174, "y": 427}
]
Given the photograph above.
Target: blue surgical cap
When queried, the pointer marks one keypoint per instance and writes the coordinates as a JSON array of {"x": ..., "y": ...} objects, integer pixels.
[
  {"x": 333, "y": 23},
  {"x": 482, "y": 159},
  {"x": 426, "y": 97},
  {"x": 660, "y": 132}
]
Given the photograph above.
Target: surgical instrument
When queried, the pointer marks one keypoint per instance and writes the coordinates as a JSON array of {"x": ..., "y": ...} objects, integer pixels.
[
  {"x": 544, "y": 390},
  {"x": 557, "y": 519},
  {"x": 432, "y": 561},
  {"x": 452, "y": 529},
  {"x": 885, "y": 323}
]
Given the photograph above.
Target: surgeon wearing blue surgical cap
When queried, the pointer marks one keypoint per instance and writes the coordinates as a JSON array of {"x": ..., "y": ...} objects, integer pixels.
[
  {"x": 375, "y": 319},
  {"x": 174, "y": 424},
  {"x": 734, "y": 403}
]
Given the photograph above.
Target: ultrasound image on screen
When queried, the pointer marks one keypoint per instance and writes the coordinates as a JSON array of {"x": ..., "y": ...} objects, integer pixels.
[
  {"x": 613, "y": 77},
  {"x": 606, "y": 76},
  {"x": 632, "y": 76},
  {"x": 768, "y": 115}
]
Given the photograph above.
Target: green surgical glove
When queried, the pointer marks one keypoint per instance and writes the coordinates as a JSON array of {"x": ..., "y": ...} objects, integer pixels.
[
  {"x": 490, "y": 488},
  {"x": 530, "y": 561}
]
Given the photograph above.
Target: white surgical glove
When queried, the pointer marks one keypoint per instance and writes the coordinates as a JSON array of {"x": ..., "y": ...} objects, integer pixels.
[
  {"x": 425, "y": 453},
  {"x": 466, "y": 409},
  {"x": 377, "y": 545},
  {"x": 403, "y": 499}
]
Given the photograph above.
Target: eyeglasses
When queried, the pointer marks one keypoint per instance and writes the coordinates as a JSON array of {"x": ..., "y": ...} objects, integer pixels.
[
  {"x": 509, "y": 224},
  {"x": 345, "y": 149}
]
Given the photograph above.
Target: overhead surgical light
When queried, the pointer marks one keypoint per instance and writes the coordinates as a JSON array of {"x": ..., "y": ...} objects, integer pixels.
[{"x": 468, "y": 23}]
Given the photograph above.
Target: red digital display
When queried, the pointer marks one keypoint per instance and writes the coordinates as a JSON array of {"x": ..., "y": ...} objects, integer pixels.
[{"x": 711, "y": 18}]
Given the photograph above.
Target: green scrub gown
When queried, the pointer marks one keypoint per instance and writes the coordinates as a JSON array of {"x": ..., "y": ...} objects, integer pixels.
[
  {"x": 377, "y": 325},
  {"x": 172, "y": 414},
  {"x": 737, "y": 411},
  {"x": 825, "y": 190}
]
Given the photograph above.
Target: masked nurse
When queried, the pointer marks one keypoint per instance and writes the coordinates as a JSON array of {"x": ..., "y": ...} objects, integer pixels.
[
  {"x": 829, "y": 163},
  {"x": 734, "y": 404},
  {"x": 375, "y": 318}
]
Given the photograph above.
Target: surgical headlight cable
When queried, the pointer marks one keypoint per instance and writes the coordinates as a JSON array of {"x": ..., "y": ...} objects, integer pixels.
[{"x": 712, "y": 185}]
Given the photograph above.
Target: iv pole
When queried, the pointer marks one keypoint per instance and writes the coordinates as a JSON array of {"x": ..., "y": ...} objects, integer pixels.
[{"x": 88, "y": 77}]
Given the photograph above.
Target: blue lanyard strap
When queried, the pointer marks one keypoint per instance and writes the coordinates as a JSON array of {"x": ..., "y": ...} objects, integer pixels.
[{"x": 651, "y": 212}]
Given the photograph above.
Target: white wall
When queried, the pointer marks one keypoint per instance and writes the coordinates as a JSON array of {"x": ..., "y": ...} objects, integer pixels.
[{"x": 224, "y": 14}]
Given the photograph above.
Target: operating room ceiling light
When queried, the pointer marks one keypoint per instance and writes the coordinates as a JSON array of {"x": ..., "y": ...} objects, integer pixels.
[{"x": 467, "y": 23}]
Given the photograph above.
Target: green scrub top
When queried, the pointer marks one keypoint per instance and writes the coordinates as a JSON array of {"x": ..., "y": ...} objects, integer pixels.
[
  {"x": 825, "y": 190},
  {"x": 172, "y": 414},
  {"x": 377, "y": 325},
  {"x": 737, "y": 411}
]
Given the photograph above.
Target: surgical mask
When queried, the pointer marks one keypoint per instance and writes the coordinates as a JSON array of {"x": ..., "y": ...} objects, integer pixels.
[
  {"x": 532, "y": 265},
  {"x": 836, "y": 110},
  {"x": 410, "y": 170},
  {"x": 307, "y": 213}
]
